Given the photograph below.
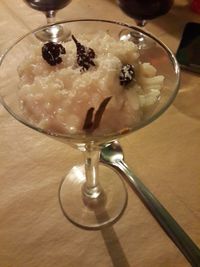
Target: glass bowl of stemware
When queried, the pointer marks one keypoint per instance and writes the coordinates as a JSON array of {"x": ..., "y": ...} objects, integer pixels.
[{"x": 89, "y": 198}]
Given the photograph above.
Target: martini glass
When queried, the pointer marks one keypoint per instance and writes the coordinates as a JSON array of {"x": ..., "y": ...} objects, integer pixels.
[
  {"x": 89, "y": 197},
  {"x": 143, "y": 11},
  {"x": 50, "y": 8}
]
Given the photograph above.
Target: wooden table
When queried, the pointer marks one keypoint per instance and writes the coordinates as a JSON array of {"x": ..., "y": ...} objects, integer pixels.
[{"x": 165, "y": 155}]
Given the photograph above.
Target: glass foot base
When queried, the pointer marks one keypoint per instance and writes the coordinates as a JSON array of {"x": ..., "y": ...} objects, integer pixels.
[
  {"x": 94, "y": 213},
  {"x": 142, "y": 41},
  {"x": 55, "y": 33}
]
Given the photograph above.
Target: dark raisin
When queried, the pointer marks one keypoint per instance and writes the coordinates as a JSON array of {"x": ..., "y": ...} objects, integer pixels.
[
  {"x": 51, "y": 53},
  {"x": 127, "y": 74},
  {"x": 85, "y": 55}
]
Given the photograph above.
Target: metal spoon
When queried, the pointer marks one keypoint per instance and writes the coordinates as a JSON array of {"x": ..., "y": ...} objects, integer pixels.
[{"x": 112, "y": 155}]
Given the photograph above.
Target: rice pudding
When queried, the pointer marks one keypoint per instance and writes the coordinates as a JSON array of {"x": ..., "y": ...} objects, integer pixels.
[{"x": 59, "y": 97}]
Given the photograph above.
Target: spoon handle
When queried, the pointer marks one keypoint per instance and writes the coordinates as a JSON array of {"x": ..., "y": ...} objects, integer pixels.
[{"x": 168, "y": 223}]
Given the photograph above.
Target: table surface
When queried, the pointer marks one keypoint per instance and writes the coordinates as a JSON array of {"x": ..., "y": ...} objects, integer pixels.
[{"x": 165, "y": 155}]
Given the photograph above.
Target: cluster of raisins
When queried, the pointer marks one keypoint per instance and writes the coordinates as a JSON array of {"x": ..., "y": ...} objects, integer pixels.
[
  {"x": 51, "y": 53},
  {"x": 127, "y": 74},
  {"x": 85, "y": 55}
]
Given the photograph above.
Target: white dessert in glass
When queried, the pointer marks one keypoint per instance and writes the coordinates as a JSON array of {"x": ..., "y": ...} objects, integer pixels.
[
  {"x": 117, "y": 90},
  {"x": 57, "y": 98}
]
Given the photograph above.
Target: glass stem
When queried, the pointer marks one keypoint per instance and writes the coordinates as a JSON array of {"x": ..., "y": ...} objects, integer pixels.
[
  {"x": 50, "y": 15},
  {"x": 91, "y": 188},
  {"x": 141, "y": 23}
]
